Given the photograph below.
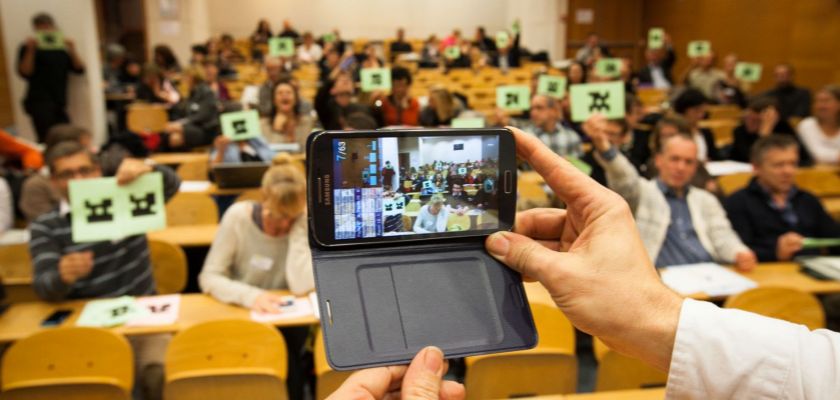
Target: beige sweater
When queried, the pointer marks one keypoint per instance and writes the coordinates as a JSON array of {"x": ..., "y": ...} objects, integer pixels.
[{"x": 243, "y": 261}]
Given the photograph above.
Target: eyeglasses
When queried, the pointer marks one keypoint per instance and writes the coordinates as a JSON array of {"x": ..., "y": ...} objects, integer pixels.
[{"x": 82, "y": 172}]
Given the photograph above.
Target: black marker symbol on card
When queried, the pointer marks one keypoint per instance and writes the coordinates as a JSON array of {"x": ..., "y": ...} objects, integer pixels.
[
  {"x": 599, "y": 101},
  {"x": 239, "y": 127},
  {"x": 116, "y": 312},
  {"x": 49, "y": 39},
  {"x": 158, "y": 309},
  {"x": 143, "y": 205},
  {"x": 376, "y": 79},
  {"x": 512, "y": 99},
  {"x": 99, "y": 212},
  {"x": 610, "y": 68},
  {"x": 747, "y": 72},
  {"x": 553, "y": 87}
]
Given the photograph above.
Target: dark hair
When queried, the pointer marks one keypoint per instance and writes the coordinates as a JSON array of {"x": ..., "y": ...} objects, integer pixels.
[
  {"x": 42, "y": 18},
  {"x": 761, "y": 103},
  {"x": 760, "y": 148},
  {"x": 584, "y": 71},
  {"x": 227, "y": 37},
  {"x": 401, "y": 73},
  {"x": 360, "y": 120},
  {"x": 297, "y": 109},
  {"x": 165, "y": 52},
  {"x": 689, "y": 98},
  {"x": 200, "y": 49},
  {"x": 66, "y": 149},
  {"x": 673, "y": 120},
  {"x": 64, "y": 133},
  {"x": 620, "y": 122}
]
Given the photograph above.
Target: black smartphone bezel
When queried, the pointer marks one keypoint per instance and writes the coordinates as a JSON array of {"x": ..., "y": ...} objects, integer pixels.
[
  {"x": 56, "y": 318},
  {"x": 320, "y": 211}
]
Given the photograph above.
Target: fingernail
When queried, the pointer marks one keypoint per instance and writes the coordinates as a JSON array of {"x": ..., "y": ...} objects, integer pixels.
[
  {"x": 433, "y": 360},
  {"x": 498, "y": 244}
]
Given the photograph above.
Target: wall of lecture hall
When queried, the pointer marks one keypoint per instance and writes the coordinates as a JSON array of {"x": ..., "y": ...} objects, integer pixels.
[
  {"x": 77, "y": 19},
  {"x": 443, "y": 149}
]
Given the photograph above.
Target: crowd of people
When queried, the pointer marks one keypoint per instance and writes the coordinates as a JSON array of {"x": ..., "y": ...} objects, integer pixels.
[{"x": 654, "y": 160}]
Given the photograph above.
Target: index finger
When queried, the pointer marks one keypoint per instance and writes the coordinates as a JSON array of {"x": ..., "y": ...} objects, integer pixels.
[
  {"x": 567, "y": 182},
  {"x": 373, "y": 382}
]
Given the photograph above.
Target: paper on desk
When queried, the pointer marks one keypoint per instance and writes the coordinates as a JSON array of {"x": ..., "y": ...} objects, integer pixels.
[
  {"x": 14, "y": 236},
  {"x": 721, "y": 168},
  {"x": 708, "y": 278},
  {"x": 110, "y": 312},
  {"x": 194, "y": 186},
  {"x": 162, "y": 310},
  {"x": 809, "y": 243},
  {"x": 298, "y": 307}
]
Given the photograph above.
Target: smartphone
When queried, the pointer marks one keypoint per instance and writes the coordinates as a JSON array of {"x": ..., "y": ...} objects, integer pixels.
[
  {"x": 388, "y": 186},
  {"x": 56, "y": 318}
]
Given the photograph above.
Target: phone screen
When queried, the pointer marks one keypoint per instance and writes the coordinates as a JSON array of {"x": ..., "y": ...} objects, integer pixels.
[
  {"x": 56, "y": 318},
  {"x": 412, "y": 186}
]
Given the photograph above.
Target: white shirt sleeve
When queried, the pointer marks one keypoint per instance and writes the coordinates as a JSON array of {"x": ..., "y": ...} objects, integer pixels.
[
  {"x": 821, "y": 148},
  {"x": 727, "y": 353},
  {"x": 7, "y": 209}
]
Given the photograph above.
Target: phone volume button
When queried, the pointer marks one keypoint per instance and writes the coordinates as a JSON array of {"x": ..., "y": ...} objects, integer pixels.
[
  {"x": 508, "y": 182},
  {"x": 320, "y": 192}
]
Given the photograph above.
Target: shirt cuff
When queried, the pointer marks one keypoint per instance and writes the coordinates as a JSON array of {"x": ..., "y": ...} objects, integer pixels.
[{"x": 610, "y": 154}]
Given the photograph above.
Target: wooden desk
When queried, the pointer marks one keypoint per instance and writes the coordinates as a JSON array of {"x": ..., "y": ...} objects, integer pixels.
[
  {"x": 186, "y": 235},
  {"x": 832, "y": 206},
  {"x": 24, "y": 319},
  {"x": 178, "y": 158},
  {"x": 636, "y": 394}
]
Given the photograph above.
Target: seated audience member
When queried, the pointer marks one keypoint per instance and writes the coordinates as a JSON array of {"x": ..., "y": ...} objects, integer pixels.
[
  {"x": 658, "y": 69},
  {"x": 199, "y": 54},
  {"x": 195, "y": 120},
  {"x": 821, "y": 133},
  {"x": 546, "y": 123},
  {"x": 792, "y": 100},
  {"x": 508, "y": 57},
  {"x": 290, "y": 32},
  {"x": 263, "y": 247},
  {"x": 631, "y": 143},
  {"x": 112, "y": 69},
  {"x": 691, "y": 105},
  {"x": 761, "y": 119},
  {"x": 703, "y": 75},
  {"x": 228, "y": 52},
  {"x": 484, "y": 42},
  {"x": 262, "y": 33},
  {"x": 309, "y": 52},
  {"x": 286, "y": 123},
  {"x": 672, "y": 125},
  {"x": 226, "y": 151},
  {"x": 679, "y": 224},
  {"x": 335, "y": 102},
  {"x": 772, "y": 215},
  {"x": 400, "y": 45},
  {"x": 433, "y": 216},
  {"x": 587, "y": 54},
  {"x": 464, "y": 60},
  {"x": 430, "y": 54},
  {"x": 333, "y": 63},
  {"x": 399, "y": 108},
  {"x": 358, "y": 121},
  {"x": 211, "y": 75},
  {"x": 65, "y": 270},
  {"x": 730, "y": 90},
  {"x": 274, "y": 74},
  {"x": 164, "y": 59},
  {"x": 7, "y": 207},
  {"x": 369, "y": 58},
  {"x": 443, "y": 107},
  {"x": 156, "y": 88},
  {"x": 575, "y": 74}
]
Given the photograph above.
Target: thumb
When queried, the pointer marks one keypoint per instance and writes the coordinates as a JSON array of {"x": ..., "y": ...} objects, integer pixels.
[
  {"x": 423, "y": 378},
  {"x": 523, "y": 254}
]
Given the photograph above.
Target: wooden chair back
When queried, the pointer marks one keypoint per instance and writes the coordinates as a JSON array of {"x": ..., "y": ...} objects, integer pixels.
[
  {"x": 191, "y": 208},
  {"x": 781, "y": 303},
  {"x": 169, "y": 266}
]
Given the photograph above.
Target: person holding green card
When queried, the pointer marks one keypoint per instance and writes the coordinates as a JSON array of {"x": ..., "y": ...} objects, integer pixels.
[
  {"x": 703, "y": 75},
  {"x": 772, "y": 215},
  {"x": 659, "y": 63},
  {"x": 546, "y": 122},
  {"x": 507, "y": 56},
  {"x": 46, "y": 70}
]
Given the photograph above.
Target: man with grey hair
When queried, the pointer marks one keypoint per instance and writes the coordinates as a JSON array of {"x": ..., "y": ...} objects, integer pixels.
[{"x": 546, "y": 122}]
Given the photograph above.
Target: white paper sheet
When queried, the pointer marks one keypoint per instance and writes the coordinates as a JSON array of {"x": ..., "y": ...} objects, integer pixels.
[
  {"x": 298, "y": 307},
  {"x": 720, "y": 168},
  {"x": 194, "y": 186},
  {"x": 708, "y": 278},
  {"x": 14, "y": 236},
  {"x": 163, "y": 310}
]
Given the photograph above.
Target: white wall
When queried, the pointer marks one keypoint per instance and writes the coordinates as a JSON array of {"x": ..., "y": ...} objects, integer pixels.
[
  {"x": 77, "y": 19},
  {"x": 442, "y": 149},
  {"x": 188, "y": 27}
]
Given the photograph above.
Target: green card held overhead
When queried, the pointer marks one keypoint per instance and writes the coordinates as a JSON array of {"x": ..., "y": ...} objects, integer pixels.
[
  {"x": 281, "y": 47},
  {"x": 513, "y": 98},
  {"x": 452, "y": 52},
  {"x": 748, "y": 72},
  {"x": 110, "y": 312},
  {"x": 52, "y": 40},
  {"x": 328, "y": 37},
  {"x": 604, "y": 98},
  {"x": 553, "y": 86},
  {"x": 581, "y": 165},
  {"x": 502, "y": 40},
  {"x": 241, "y": 125},
  {"x": 699, "y": 48},
  {"x": 468, "y": 122},
  {"x": 608, "y": 67},
  {"x": 810, "y": 243},
  {"x": 374, "y": 79},
  {"x": 656, "y": 38},
  {"x": 102, "y": 210}
]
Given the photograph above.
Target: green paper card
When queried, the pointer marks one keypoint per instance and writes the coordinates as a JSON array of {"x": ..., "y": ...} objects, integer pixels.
[
  {"x": 328, "y": 37},
  {"x": 748, "y": 72},
  {"x": 452, "y": 52},
  {"x": 110, "y": 312},
  {"x": 376, "y": 79},
  {"x": 102, "y": 210},
  {"x": 513, "y": 98},
  {"x": 281, "y": 47},
  {"x": 52, "y": 40},
  {"x": 241, "y": 125},
  {"x": 502, "y": 40},
  {"x": 468, "y": 122},
  {"x": 604, "y": 98},
  {"x": 656, "y": 38},
  {"x": 699, "y": 48},
  {"x": 608, "y": 67},
  {"x": 553, "y": 86},
  {"x": 810, "y": 243},
  {"x": 580, "y": 164},
  {"x": 516, "y": 27}
]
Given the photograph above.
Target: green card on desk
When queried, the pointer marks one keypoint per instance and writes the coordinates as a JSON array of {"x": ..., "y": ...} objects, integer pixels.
[{"x": 811, "y": 243}]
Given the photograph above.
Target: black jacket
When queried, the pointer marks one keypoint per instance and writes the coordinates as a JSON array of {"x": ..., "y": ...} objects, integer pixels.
[
  {"x": 742, "y": 145},
  {"x": 759, "y": 225},
  {"x": 667, "y": 66},
  {"x": 638, "y": 154}
]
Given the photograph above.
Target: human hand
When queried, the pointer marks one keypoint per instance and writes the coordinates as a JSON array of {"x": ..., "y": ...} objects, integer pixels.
[
  {"x": 591, "y": 259},
  {"x": 788, "y": 244},
  {"x": 131, "y": 169},
  {"x": 595, "y": 127},
  {"x": 267, "y": 303},
  {"x": 769, "y": 118},
  {"x": 70, "y": 45},
  {"x": 73, "y": 266},
  {"x": 221, "y": 143},
  {"x": 421, "y": 380},
  {"x": 745, "y": 261},
  {"x": 31, "y": 43}
]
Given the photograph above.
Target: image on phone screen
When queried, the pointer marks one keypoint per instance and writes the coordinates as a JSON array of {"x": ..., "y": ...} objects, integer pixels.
[{"x": 402, "y": 186}]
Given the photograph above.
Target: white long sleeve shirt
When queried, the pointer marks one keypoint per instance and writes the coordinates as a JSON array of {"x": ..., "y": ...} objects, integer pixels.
[
  {"x": 7, "y": 206},
  {"x": 733, "y": 354}
]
